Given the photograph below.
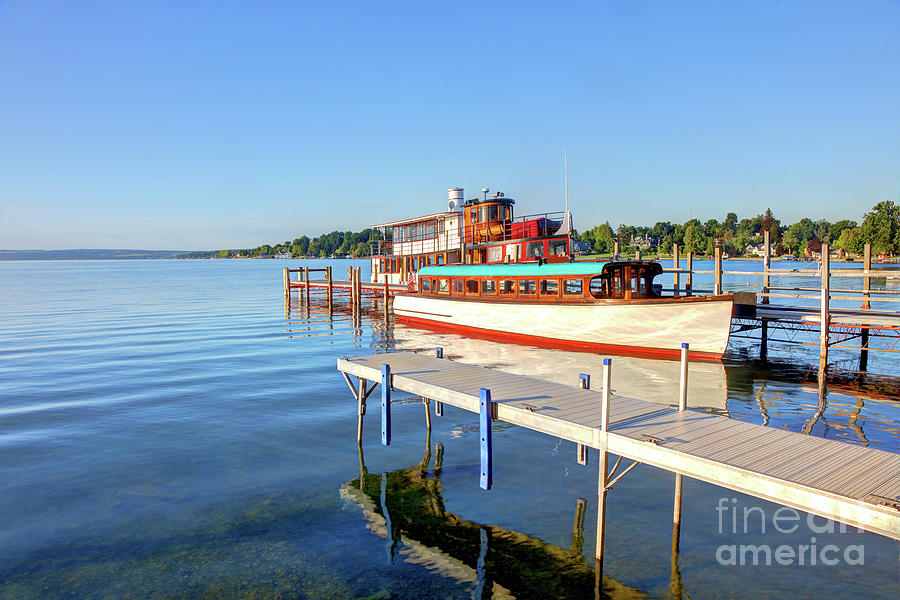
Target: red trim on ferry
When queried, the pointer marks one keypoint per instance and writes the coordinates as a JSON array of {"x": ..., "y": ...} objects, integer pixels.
[{"x": 543, "y": 342}]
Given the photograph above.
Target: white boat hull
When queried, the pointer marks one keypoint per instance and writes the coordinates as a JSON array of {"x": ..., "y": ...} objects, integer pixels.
[{"x": 650, "y": 328}]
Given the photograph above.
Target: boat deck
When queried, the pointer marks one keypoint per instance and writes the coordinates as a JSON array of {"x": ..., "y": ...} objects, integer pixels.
[{"x": 851, "y": 484}]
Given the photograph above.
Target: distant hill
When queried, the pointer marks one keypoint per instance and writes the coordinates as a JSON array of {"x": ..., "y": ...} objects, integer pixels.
[{"x": 91, "y": 254}]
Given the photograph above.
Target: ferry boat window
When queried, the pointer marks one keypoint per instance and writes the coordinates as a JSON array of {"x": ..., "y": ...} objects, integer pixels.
[
  {"x": 393, "y": 265},
  {"x": 572, "y": 287},
  {"x": 426, "y": 285},
  {"x": 443, "y": 286},
  {"x": 492, "y": 213},
  {"x": 534, "y": 249},
  {"x": 600, "y": 287},
  {"x": 549, "y": 287},
  {"x": 488, "y": 287},
  {"x": 495, "y": 254},
  {"x": 458, "y": 286},
  {"x": 507, "y": 286},
  {"x": 472, "y": 286},
  {"x": 526, "y": 287},
  {"x": 430, "y": 230},
  {"x": 440, "y": 259},
  {"x": 430, "y": 260},
  {"x": 558, "y": 248}
]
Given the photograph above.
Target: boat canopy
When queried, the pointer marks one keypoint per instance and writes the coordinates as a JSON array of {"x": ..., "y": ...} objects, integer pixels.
[{"x": 515, "y": 270}]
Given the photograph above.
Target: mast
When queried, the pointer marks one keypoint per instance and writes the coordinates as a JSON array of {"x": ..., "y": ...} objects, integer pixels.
[{"x": 566, "y": 167}]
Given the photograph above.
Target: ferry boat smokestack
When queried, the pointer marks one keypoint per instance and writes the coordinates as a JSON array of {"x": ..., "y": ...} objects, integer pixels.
[{"x": 455, "y": 199}]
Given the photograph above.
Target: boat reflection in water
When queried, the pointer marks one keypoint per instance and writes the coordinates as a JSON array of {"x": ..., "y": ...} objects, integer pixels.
[
  {"x": 646, "y": 379},
  {"x": 406, "y": 508}
]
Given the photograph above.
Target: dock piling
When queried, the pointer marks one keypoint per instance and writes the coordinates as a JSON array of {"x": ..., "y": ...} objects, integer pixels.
[
  {"x": 584, "y": 380},
  {"x": 682, "y": 394},
  {"x": 287, "y": 281},
  {"x": 361, "y": 408},
  {"x": 306, "y": 285},
  {"x": 824, "y": 316},
  {"x": 767, "y": 263},
  {"x": 438, "y": 406},
  {"x": 330, "y": 291},
  {"x": 485, "y": 406},
  {"x": 677, "y": 279},
  {"x": 867, "y": 265},
  {"x": 718, "y": 268},
  {"x": 689, "y": 280},
  {"x": 386, "y": 404},
  {"x": 602, "y": 479}
]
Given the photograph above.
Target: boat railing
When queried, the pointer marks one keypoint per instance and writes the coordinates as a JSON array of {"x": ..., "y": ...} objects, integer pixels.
[{"x": 528, "y": 226}]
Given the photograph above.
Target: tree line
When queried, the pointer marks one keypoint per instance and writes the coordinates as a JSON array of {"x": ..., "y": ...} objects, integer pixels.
[
  {"x": 880, "y": 227},
  {"x": 336, "y": 243}
]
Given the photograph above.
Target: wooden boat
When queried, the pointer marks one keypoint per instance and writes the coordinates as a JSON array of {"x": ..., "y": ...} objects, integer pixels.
[{"x": 588, "y": 306}]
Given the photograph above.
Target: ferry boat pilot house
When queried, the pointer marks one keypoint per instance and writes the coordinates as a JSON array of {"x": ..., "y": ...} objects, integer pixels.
[{"x": 477, "y": 231}]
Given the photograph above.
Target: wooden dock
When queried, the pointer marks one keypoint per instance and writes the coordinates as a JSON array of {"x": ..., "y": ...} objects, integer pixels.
[{"x": 850, "y": 484}]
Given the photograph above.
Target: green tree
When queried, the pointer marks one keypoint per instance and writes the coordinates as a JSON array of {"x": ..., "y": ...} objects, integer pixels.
[
  {"x": 880, "y": 228},
  {"x": 798, "y": 235},
  {"x": 850, "y": 240},
  {"x": 223, "y": 253}
]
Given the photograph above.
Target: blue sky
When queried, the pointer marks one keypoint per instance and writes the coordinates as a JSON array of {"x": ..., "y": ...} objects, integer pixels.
[{"x": 206, "y": 125}]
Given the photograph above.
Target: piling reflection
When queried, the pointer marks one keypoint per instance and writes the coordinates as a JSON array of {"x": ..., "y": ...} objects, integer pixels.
[{"x": 406, "y": 508}]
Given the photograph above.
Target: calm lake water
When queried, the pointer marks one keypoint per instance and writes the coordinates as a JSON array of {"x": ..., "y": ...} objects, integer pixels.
[{"x": 167, "y": 431}]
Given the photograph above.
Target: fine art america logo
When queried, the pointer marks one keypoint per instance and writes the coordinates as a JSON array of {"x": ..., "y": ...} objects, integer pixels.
[{"x": 754, "y": 521}]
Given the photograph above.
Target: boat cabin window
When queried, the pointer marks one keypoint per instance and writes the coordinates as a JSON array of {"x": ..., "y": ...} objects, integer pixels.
[
  {"x": 573, "y": 287},
  {"x": 425, "y": 284},
  {"x": 458, "y": 286},
  {"x": 600, "y": 286},
  {"x": 443, "y": 286},
  {"x": 534, "y": 249},
  {"x": 549, "y": 287},
  {"x": 526, "y": 287},
  {"x": 440, "y": 259},
  {"x": 471, "y": 286},
  {"x": 488, "y": 287},
  {"x": 507, "y": 287},
  {"x": 558, "y": 248}
]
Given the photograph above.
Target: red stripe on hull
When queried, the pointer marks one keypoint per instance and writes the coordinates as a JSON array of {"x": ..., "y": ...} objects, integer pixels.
[{"x": 543, "y": 342}]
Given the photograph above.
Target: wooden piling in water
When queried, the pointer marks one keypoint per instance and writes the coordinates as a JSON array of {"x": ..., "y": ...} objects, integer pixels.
[
  {"x": 824, "y": 316},
  {"x": 718, "y": 268},
  {"x": 867, "y": 266},
  {"x": 306, "y": 284},
  {"x": 287, "y": 281},
  {"x": 682, "y": 393},
  {"x": 767, "y": 263},
  {"x": 677, "y": 276},
  {"x": 688, "y": 285},
  {"x": 330, "y": 291}
]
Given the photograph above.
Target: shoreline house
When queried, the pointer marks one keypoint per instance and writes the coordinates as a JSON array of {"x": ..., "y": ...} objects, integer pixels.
[
  {"x": 644, "y": 242},
  {"x": 755, "y": 249}
]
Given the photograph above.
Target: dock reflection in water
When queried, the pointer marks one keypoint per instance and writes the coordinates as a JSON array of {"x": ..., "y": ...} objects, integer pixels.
[{"x": 406, "y": 508}]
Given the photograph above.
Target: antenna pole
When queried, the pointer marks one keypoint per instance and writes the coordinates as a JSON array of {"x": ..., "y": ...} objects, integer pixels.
[{"x": 566, "y": 166}]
